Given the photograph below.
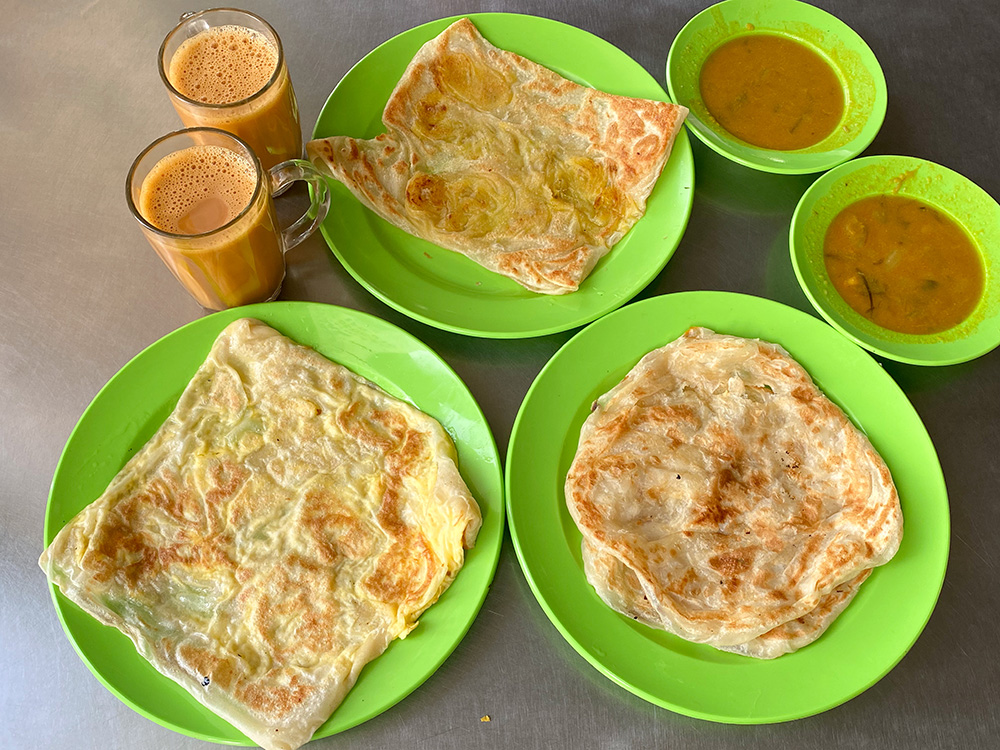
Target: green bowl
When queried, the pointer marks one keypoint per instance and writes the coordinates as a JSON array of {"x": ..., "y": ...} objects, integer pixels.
[
  {"x": 947, "y": 191},
  {"x": 853, "y": 61}
]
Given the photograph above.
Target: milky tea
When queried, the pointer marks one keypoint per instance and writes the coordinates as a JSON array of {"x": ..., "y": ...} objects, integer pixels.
[
  {"x": 210, "y": 218},
  {"x": 225, "y": 69}
]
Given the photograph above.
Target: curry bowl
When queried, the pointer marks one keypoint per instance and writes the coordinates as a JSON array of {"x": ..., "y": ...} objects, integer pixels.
[
  {"x": 944, "y": 190},
  {"x": 852, "y": 62}
]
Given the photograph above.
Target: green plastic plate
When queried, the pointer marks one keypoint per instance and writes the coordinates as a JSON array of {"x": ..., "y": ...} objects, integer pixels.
[
  {"x": 861, "y": 646},
  {"x": 949, "y": 192},
  {"x": 136, "y": 401},
  {"x": 447, "y": 290},
  {"x": 865, "y": 94}
]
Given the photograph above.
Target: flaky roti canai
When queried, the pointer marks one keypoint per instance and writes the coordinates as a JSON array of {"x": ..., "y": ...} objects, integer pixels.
[
  {"x": 282, "y": 527},
  {"x": 620, "y": 589},
  {"x": 491, "y": 155},
  {"x": 724, "y": 498}
]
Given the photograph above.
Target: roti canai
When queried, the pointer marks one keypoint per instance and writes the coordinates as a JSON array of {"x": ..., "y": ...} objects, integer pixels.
[
  {"x": 496, "y": 157},
  {"x": 722, "y": 497},
  {"x": 281, "y": 528},
  {"x": 619, "y": 587}
]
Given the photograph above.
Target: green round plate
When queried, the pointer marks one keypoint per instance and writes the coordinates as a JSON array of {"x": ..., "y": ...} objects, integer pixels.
[
  {"x": 136, "y": 401},
  {"x": 444, "y": 288},
  {"x": 865, "y": 93},
  {"x": 947, "y": 191},
  {"x": 861, "y": 646}
]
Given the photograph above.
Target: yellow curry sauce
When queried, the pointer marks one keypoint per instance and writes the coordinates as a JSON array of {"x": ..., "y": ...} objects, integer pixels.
[
  {"x": 903, "y": 265},
  {"x": 772, "y": 92}
]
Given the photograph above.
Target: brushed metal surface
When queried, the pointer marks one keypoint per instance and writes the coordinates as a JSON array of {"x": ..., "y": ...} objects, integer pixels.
[{"x": 81, "y": 293}]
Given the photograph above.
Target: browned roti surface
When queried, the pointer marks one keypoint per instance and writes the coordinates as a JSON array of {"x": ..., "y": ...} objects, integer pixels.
[
  {"x": 282, "y": 527},
  {"x": 620, "y": 589},
  {"x": 721, "y": 495},
  {"x": 491, "y": 155}
]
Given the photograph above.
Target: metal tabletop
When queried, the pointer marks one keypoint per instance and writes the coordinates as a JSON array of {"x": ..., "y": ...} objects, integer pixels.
[{"x": 81, "y": 293}]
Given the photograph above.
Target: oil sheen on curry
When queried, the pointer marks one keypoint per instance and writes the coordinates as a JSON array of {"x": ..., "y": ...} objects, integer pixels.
[
  {"x": 772, "y": 92},
  {"x": 903, "y": 265}
]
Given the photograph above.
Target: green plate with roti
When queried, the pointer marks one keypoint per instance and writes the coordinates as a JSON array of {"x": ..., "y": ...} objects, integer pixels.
[
  {"x": 444, "y": 288},
  {"x": 136, "y": 401},
  {"x": 866, "y": 640}
]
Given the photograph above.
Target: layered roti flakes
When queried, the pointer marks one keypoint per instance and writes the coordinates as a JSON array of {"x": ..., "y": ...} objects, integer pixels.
[
  {"x": 620, "y": 589},
  {"x": 281, "y": 528},
  {"x": 496, "y": 157},
  {"x": 724, "y": 498}
]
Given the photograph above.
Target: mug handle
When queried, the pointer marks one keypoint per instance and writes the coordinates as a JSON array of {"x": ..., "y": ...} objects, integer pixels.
[{"x": 283, "y": 175}]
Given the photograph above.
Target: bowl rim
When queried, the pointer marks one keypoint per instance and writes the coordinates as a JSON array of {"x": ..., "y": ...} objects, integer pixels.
[
  {"x": 852, "y": 149},
  {"x": 948, "y": 352}
]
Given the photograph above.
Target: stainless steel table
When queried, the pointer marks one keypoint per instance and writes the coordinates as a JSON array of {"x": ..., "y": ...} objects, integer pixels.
[{"x": 81, "y": 293}]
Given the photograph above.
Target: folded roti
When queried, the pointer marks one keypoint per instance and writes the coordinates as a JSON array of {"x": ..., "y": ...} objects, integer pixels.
[
  {"x": 282, "y": 527},
  {"x": 619, "y": 587},
  {"x": 721, "y": 495},
  {"x": 496, "y": 157}
]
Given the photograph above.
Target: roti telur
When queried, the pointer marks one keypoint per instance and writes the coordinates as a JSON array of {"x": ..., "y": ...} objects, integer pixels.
[
  {"x": 724, "y": 498},
  {"x": 280, "y": 529},
  {"x": 489, "y": 154}
]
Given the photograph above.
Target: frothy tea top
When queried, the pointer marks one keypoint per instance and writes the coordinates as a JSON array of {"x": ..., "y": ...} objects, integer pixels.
[
  {"x": 223, "y": 65},
  {"x": 197, "y": 189}
]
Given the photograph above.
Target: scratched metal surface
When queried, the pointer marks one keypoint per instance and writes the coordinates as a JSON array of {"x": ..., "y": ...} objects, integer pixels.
[{"x": 81, "y": 293}]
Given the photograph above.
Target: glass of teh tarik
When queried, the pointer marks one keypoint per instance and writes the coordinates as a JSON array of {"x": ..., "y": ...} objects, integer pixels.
[
  {"x": 224, "y": 68},
  {"x": 204, "y": 201}
]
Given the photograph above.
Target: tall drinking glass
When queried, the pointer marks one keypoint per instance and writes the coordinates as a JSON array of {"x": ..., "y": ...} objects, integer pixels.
[
  {"x": 225, "y": 68},
  {"x": 203, "y": 200}
]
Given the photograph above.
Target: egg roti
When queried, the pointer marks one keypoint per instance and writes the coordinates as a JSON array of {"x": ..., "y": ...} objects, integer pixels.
[
  {"x": 722, "y": 495},
  {"x": 489, "y": 154},
  {"x": 281, "y": 528}
]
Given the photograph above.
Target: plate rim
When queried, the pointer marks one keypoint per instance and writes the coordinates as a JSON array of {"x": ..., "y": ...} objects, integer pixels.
[
  {"x": 588, "y": 651},
  {"x": 681, "y": 147},
  {"x": 495, "y": 488}
]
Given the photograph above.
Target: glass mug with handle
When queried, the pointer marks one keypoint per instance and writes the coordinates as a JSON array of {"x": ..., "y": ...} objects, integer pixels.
[
  {"x": 225, "y": 68},
  {"x": 204, "y": 202}
]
